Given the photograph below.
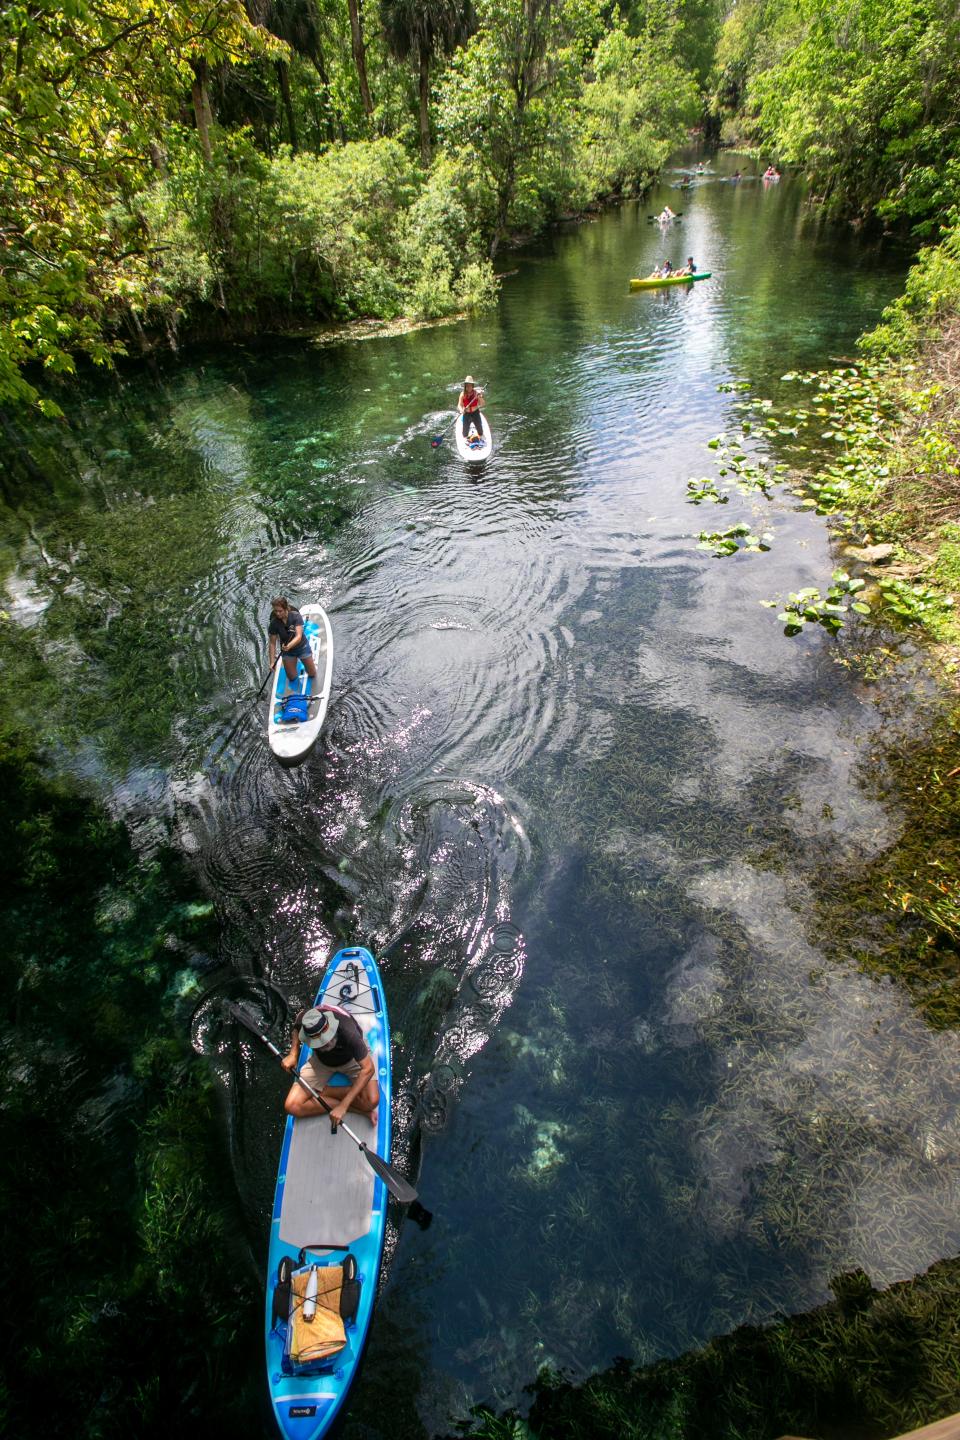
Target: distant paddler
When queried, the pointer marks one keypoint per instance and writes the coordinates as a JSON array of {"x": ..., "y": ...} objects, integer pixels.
[
  {"x": 470, "y": 403},
  {"x": 286, "y": 630},
  {"x": 666, "y": 215}
]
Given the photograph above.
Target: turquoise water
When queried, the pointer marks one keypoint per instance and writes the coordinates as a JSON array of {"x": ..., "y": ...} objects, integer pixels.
[{"x": 574, "y": 790}]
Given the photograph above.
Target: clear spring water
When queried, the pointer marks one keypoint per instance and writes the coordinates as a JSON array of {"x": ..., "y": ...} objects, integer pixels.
[{"x": 573, "y": 788}]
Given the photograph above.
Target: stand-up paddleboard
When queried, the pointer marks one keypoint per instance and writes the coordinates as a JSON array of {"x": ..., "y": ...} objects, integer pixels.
[
  {"x": 295, "y": 722},
  {"x": 327, "y": 1232},
  {"x": 480, "y": 448}
]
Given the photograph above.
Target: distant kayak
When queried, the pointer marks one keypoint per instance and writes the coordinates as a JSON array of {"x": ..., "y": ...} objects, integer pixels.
[
  {"x": 652, "y": 280},
  {"x": 479, "y": 448},
  {"x": 295, "y": 718}
]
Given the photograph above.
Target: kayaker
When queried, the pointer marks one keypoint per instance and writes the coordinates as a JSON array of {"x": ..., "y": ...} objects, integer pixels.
[
  {"x": 336, "y": 1046},
  {"x": 470, "y": 404},
  {"x": 286, "y": 630},
  {"x": 688, "y": 269}
]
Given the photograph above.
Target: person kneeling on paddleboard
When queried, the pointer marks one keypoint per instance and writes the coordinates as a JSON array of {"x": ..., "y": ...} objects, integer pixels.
[
  {"x": 469, "y": 405},
  {"x": 286, "y": 630},
  {"x": 336, "y": 1046}
]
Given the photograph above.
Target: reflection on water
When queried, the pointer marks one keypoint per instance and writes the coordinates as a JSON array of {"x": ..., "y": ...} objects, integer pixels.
[{"x": 572, "y": 789}]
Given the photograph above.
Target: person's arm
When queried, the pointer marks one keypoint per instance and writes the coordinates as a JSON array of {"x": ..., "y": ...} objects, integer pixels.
[
  {"x": 289, "y": 1061},
  {"x": 460, "y": 404},
  {"x": 364, "y": 1075},
  {"x": 481, "y": 399}
]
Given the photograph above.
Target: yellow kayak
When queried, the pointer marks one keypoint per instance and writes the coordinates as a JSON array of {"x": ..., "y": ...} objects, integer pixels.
[{"x": 652, "y": 280}]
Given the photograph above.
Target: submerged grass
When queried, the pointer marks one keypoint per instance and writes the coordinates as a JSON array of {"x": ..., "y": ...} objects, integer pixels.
[
  {"x": 127, "y": 1295},
  {"x": 870, "y": 1363}
]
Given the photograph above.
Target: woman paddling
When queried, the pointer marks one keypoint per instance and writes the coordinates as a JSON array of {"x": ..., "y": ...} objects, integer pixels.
[
  {"x": 286, "y": 630},
  {"x": 470, "y": 403}
]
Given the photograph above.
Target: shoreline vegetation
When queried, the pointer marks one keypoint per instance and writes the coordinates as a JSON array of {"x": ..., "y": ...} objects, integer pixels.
[{"x": 170, "y": 176}]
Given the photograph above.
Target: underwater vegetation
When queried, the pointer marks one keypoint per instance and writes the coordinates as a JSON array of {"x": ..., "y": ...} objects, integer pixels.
[
  {"x": 871, "y": 1363},
  {"x": 128, "y": 1297}
]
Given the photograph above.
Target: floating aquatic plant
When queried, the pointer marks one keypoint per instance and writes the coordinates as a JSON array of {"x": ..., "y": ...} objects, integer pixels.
[
  {"x": 734, "y": 538},
  {"x": 808, "y": 607},
  {"x": 705, "y": 489}
]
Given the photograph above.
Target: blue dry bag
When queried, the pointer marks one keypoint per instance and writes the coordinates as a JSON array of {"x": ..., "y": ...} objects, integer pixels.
[{"x": 295, "y": 709}]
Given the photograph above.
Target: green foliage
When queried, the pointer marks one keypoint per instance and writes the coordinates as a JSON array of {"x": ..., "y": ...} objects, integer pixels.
[
  {"x": 733, "y": 539},
  {"x": 85, "y": 91},
  {"x": 861, "y": 93},
  {"x": 639, "y": 103},
  {"x": 931, "y": 294},
  {"x": 808, "y": 607},
  {"x": 116, "y": 1257},
  {"x": 914, "y": 604}
]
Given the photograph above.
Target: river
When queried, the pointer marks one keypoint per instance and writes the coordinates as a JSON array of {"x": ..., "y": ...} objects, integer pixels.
[{"x": 573, "y": 790}]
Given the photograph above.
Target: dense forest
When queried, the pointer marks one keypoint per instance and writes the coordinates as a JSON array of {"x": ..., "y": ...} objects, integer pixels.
[{"x": 168, "y": 170}]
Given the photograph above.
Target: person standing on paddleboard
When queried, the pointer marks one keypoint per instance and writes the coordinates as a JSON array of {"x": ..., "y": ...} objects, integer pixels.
[
  {"x": 470, "y": 404},
  {"x": 286, "y": 630},
  {"x": 336, "y": 1046}
]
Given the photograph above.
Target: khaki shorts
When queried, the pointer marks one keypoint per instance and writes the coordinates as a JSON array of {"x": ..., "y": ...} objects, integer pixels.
[{"x": 319, "y": 1074}]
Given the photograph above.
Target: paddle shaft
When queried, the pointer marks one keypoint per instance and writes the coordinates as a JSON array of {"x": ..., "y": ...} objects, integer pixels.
[
  {"x": 401, "y": 1189},
  {"x": 273, "y": 666}
]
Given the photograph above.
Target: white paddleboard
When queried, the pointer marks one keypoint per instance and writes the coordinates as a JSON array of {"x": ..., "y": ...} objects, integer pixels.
[
  {"x": 292, "y": 740},
  {"x": 473, "y": 453}
]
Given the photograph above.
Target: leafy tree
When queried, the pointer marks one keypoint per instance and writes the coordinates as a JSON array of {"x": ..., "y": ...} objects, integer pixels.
[
  {"x": 865, "y": 95},
  {"x": 419, "y": 29},
  {"x": 506, "y": 97},
  {"x": 86, "y": 91}
]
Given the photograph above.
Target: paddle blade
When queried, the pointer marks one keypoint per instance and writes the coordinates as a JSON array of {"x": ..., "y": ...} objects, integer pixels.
[
  {"x": 243, "y": 1017},
  {"x": 399, "y": 1188},
  {"x": 437, "y": 440}
]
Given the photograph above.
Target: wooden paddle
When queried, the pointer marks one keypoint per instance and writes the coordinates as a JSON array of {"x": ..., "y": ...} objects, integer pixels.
[{"x": 399, "y": 1188}]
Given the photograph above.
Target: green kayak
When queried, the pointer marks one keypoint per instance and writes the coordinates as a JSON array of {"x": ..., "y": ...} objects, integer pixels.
[{"x": 652, "y": 280}]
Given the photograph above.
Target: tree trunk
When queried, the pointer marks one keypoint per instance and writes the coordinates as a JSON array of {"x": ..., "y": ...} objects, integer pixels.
[
  {"x": 505, "y": 189},
  {"x": 360, "y": 54},
  {"x": 333, "y": 116},
  {"x": 283, "y": 75},
  {"x": 201, "y": 107},
  {"x": 425, "y": 107}
]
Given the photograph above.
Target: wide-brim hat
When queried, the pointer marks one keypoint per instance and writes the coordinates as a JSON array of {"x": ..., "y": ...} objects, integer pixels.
[
  {"x": 469, "y": 380},
  {"x": 318, "y": 1028}
]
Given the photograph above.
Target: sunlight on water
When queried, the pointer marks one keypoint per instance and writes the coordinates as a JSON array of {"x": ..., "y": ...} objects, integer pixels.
[{"x": 571, "y": 790}]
